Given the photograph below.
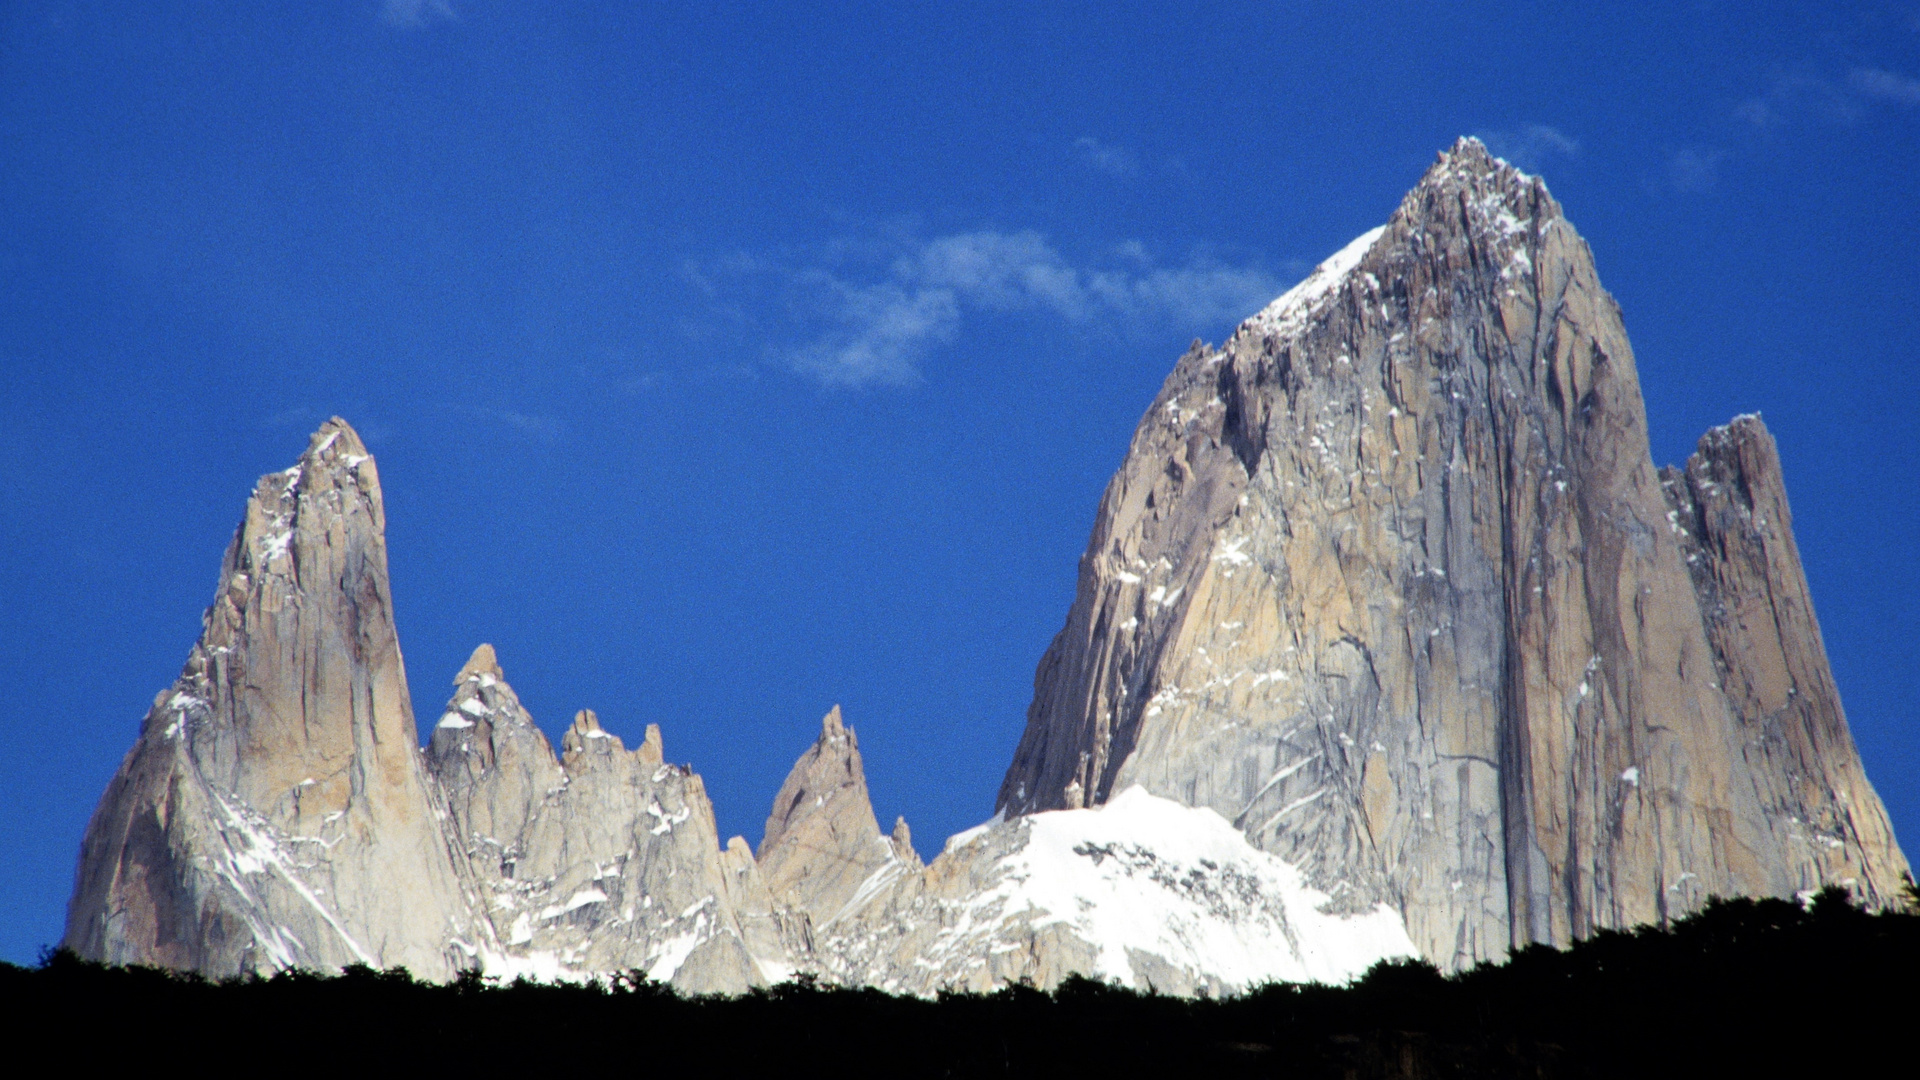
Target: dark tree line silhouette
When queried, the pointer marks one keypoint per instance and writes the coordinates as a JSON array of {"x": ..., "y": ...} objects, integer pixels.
[{"x": 1744, "y": 988}]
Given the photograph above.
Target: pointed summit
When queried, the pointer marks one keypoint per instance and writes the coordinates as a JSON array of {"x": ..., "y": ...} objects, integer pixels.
[
  {"x": 650, "y": 750},
  {"x": 494, "y": 764},
  {"x": 482, "y": 662},
  {"x": 1729, "y": 505},
  {"x": 833, "y": 730},
  {"x": 290, "y": 730},
  {"x": 822, "y": 839},
  {"x": 586, "y": 736}
]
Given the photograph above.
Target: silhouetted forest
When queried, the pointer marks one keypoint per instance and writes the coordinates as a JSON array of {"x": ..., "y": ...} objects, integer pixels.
[{"x": 1744, "y": 988}]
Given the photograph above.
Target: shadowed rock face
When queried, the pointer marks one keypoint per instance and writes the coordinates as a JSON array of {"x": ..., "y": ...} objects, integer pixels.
[
  {"x": 1390, "y": 581},
  {"x": 274, "y": 811}
]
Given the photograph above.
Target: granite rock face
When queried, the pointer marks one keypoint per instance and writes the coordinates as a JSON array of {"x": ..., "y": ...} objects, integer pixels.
[
  {"x": 494, "y": 765},
  {"x": 277, "y": 810},
  {"x": 274, "y": 811},
  {"x": 1390, "y": 581}
]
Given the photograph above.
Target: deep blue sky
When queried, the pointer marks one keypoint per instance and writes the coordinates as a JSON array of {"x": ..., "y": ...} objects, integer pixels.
[{"x": 727, "y": 361}]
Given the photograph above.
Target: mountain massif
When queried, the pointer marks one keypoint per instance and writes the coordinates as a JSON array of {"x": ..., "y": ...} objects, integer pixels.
[{"x": 1390, "y": 640}]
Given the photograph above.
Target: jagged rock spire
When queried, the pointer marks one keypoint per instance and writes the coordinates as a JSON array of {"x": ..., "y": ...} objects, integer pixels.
[
  {"x": 482, "y": 662},
  {"x": 601, "y": 860},
  {"x": 902, "y": 840},
  {"x": 1387, "y": 580},
  {"x": 274, "y": 811},
  {"x": 1736, "y": 530},
  {"x": 821, "y": 839},
  {"x": 493, "y": 763}
]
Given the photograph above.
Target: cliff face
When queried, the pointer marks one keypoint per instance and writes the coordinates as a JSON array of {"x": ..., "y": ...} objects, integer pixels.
[
  {"x": 1390, "y": 581},
  {"x": 277, "y": 810},
  {"x": 274, "y": 811},
  {"x": 821, "y": 840}
]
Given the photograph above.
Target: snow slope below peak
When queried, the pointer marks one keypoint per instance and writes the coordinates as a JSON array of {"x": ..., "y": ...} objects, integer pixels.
[
  {"x": 1290, "y": 312},
  {"x": 1146, "y": 875}
]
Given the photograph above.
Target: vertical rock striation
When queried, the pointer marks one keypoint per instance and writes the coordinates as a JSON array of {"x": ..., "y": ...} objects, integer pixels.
[
  {"x": 277, "y": 811},
  {"x": 1390, "y": 581},
  {"x": 274, "y": 811}
]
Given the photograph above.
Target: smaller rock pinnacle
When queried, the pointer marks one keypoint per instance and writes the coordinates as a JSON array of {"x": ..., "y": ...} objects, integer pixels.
[{"x": 482, "y": 662}]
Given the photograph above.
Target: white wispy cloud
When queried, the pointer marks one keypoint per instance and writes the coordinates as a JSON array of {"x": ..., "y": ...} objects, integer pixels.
[
  {"x": 1880, "y": 83},
  {"x": 1792, "y": 96},
  {"x": 417, "y": 13},
  {"x": 876, "y": 321},
  {"x": 534, "y": 426},
  {"x": 1112, "y": 160},
  {"x": 1530, "y": 146},
  {"x": 1695, "y": 168}
]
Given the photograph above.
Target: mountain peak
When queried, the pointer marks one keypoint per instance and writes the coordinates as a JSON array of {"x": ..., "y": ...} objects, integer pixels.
[
  {"x": 1364, "y": 571},
  {"x": 336, "y": 435},
  {"x": 482, "y": 662},
  {"x": 822, "y": 839},
  {"x": 1467, "y": 181},
  {"x": 291, "y": 724},
  {"x": 1386, "y": 612},
  {"x": 832, "y": 727},
  {"x": 1468, "y": 157}
]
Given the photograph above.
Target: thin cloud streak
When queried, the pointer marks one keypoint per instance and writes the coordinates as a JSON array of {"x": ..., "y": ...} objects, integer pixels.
[
  {"x": 879, "y": 328},
  {"x": 1695, "y": 169},
  {"x": 1531, "y": 146},
  {"x": 540, "y": 428},
  {"x": 1112, "y": 160},
  {"x": 415, "y": 14},
  {"x": 1880, "y": 83},
  {"x": 1799, "y": 96}
]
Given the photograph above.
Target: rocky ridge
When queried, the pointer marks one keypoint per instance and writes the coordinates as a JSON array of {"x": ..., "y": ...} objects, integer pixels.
[
  {"x": 1389, "y": 640},
  {"x": 599, "y": 860}
]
